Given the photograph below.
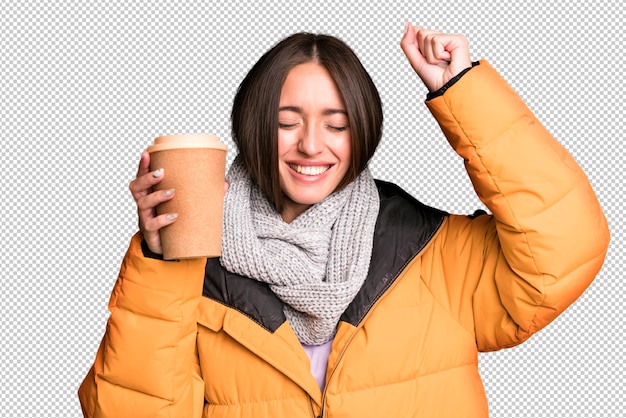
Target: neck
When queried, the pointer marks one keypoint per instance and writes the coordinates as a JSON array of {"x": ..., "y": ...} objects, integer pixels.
[{"x": 291, "y": 210}]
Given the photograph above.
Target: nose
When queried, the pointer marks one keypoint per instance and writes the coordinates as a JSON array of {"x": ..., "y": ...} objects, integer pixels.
[{"x": 311, "y": 141}]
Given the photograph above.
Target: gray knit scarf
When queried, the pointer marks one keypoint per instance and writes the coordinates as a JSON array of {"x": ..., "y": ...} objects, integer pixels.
[{"x": 316, "y": 264}]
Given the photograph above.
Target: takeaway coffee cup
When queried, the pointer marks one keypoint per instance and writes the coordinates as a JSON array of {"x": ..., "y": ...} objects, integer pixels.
[{"x": 195, "y": 166}]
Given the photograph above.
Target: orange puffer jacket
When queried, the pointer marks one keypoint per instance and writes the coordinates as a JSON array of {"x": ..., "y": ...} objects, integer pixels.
[{"x": 188, "y": 339}]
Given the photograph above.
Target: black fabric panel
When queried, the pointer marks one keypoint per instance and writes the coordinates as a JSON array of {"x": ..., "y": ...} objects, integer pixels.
[
  {"x": 147, "y": 253},
  {"x": 250, "y": 297},
  {"x": 403, "y": 229}
]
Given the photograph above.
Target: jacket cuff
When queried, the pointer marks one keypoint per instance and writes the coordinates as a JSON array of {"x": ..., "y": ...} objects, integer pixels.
[
  {"x": 147, "y": 253},
  {"x": 450, "y": 83}
]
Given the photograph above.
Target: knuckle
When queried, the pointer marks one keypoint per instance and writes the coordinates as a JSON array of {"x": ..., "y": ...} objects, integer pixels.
[
  {"x": 150, "y": 226},
  {"x": 158, "y": 223},
  {"x": 140, "y": 201},
  {"x": 144, "y": 204}
]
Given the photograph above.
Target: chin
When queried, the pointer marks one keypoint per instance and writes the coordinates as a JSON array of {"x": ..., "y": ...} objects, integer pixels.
[{"x": 310, "y": 200}]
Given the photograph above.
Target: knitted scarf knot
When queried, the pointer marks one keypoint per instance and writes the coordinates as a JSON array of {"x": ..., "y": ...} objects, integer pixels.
[{"x": 316, "y": 264}]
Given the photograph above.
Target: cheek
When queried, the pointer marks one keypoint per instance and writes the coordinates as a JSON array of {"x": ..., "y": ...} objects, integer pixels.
[
  {"x": 344, "y": 154},
  {"x": 285, "y": 142},
  {"x": 281, "y": 143},
  {"x": 344, "y": 150},
  {"x": 347, "y": 150}
]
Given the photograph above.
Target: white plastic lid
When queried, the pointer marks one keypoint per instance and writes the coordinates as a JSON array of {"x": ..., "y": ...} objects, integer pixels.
[{"x": 177, "y": 141}]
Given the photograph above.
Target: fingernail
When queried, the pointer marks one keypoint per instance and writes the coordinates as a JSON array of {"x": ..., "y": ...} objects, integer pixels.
[
  {"x": 172, "y": 216},
  {"x": 168, "y": 192},
  {"x": 157, "y": 173},
  {"x": 406, "y": 27}
]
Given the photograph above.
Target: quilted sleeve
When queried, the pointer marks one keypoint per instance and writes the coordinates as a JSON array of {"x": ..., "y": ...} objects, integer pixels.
[
  {"x": 146, "y": 364},
  {"x": 547, "y": 236}
]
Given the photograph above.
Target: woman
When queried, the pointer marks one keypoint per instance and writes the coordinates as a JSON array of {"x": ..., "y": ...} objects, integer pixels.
[{"x": 337, "y": 295}]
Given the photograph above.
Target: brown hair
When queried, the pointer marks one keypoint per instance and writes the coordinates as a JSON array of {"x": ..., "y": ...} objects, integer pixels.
[{"x": 254, "y": 114}]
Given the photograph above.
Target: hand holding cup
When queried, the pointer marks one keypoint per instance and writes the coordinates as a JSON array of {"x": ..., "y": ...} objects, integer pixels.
[
  {"x": 190, "y": 167},
  {"x": 146, "y": 200}
]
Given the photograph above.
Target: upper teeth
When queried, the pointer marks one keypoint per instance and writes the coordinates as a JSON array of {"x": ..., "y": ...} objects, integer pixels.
[{"x": 309, "y": 170}]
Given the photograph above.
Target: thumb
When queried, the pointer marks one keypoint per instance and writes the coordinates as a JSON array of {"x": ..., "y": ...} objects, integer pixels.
[{"x": 410, "y": 47}]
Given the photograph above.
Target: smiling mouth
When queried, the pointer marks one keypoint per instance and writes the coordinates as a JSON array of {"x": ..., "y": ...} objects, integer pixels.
[{"x": 309, "y": 170}]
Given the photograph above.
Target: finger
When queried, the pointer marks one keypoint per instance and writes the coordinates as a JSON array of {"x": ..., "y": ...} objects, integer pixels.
[
  {"x": 432, "y": 47},
  {"x": 144, "y": 164},
  {"x": 439, "y": 51},
  {"x": 422, "y": 37},
  {"x": 226, "y": 185},
  {"x": 435, "y": 53},
  {"x": 410, "y": 47},
  {"x": 427, "y": 50},
  {"x": 150, "y": 231},
  {"x": 146, "y": 206},
  {"x": 152, "y": 200},
  {"x": 446, "y": 44},
  {"x": 458, "y": 47},
  {"x": 153, "y": 225},
  {"x": 142, "y": 185}
]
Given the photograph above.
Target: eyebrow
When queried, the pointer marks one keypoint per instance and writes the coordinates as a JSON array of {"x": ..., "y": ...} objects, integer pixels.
[{"x": 326, "y": 112}]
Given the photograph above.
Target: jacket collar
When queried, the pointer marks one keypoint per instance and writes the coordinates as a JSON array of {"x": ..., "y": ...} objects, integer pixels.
[{"x": 403, "y": 228}]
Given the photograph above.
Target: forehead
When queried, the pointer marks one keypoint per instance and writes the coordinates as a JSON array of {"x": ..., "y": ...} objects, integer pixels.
[{"x": 310, "y": 83}]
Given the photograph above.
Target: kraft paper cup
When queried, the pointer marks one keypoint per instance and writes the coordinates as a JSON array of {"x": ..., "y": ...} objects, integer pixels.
[{"x": 195, "y": 166}]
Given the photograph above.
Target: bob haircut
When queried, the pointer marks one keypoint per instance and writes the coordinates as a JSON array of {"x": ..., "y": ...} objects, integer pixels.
[{"x": 254, "y": 114}]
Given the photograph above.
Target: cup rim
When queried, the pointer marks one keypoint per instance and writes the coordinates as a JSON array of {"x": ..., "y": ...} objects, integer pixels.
[{"x": 189, "y": 140}]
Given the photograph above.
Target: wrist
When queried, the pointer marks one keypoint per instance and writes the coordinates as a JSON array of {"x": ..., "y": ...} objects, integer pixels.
[{"x": 431, "y": 95}]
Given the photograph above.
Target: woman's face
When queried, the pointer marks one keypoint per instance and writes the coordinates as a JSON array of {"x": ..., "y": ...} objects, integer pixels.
[{"x": 313, "y": 138}]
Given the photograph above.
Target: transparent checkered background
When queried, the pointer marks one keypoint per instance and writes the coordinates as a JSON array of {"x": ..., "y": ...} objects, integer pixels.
[{"x": 85, "y": 86}]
